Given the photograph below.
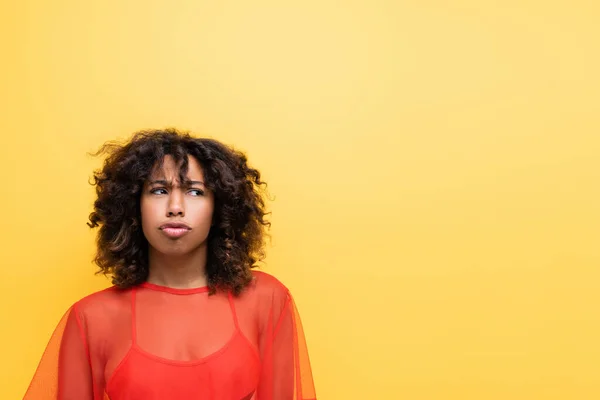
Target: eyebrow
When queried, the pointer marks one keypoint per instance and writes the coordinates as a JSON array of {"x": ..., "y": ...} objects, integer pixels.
[{"x": 165, "y": 183}]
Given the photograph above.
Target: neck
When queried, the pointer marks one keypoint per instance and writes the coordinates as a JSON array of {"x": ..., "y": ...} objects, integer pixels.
[{"x": 178, "y": 271}]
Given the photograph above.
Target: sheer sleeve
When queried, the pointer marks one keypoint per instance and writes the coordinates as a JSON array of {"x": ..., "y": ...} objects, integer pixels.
[
  {"x": 286, "y": 372},
  {"x": 64, "y": 372}
]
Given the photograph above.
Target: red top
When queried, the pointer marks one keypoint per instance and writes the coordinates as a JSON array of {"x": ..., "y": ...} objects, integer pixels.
[{"x": 157, "y": 343}]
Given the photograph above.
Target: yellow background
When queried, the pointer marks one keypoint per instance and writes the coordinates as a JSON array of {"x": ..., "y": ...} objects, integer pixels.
[{"x": 436, "y": 168}]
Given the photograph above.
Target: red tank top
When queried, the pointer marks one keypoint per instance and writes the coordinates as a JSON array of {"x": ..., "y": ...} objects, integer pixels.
[{"x": 231, "y": 372}]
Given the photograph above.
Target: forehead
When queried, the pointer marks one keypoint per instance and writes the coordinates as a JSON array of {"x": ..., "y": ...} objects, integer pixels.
[{"x": 170, "y": 169}]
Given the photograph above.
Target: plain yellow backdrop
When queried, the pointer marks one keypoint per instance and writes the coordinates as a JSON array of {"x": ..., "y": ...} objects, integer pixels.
[{"x": 435, "y": 167}]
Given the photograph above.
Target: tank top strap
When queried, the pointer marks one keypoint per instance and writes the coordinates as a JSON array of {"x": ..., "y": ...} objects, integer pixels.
[
  {"x": 133, "y": 319},
  {"x": 233, "y": 312}
]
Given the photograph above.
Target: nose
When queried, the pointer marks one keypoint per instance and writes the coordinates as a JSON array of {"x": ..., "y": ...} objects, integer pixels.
[{"x": 175, "y": 206}]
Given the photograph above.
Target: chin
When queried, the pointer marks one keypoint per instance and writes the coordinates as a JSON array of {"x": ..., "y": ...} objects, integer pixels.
[
  {"x": 174, "y": 252},
  {"x": 175, "y": 249}
]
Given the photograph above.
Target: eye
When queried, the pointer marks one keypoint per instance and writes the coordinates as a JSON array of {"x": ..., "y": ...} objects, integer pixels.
[
  {"x": 154, "y": 191},
  {"x": 197, "y": 192}
]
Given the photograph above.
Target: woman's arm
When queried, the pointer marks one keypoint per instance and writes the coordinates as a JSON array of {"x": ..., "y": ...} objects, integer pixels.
[
  {"x": 286, "y": 372},
  {"x": 64, "y": 372}
]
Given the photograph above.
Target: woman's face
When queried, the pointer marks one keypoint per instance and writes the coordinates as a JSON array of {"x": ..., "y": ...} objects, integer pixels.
[{"x": 176, "y": 217}]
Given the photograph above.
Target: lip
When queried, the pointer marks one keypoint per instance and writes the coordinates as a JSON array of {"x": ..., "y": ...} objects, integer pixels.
[
  {"x": 175, "y": 225},
  {"x": 175, "y": 230}
]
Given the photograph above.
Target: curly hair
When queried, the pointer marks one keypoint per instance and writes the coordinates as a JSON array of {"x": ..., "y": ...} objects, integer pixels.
[{"x": 236, "y": 239}]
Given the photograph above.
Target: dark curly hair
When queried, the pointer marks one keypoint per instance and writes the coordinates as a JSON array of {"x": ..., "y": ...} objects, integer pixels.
[{"x": 236, "y": 239}]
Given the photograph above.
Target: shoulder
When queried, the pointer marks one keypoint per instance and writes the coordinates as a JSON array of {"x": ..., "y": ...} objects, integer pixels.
[
  {"x": 109, "y": 300},
  {"x": 265, "y": 288},
  {"x": 265, "y": 281},
  {"x": 266, "y": 284}
]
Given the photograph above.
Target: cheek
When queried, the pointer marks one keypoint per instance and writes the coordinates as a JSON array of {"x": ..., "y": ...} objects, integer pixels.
[
  {"x": 208, "y": 209},
  {"x": 148, "y": 212},
  {"x": 203, "y": 216}
]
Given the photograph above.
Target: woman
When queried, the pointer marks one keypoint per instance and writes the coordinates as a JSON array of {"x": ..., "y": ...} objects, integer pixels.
[{"x": 181, "y": 225}]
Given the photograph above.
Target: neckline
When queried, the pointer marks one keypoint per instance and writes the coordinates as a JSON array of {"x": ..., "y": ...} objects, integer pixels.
[{"x": 168, "y": 289}]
